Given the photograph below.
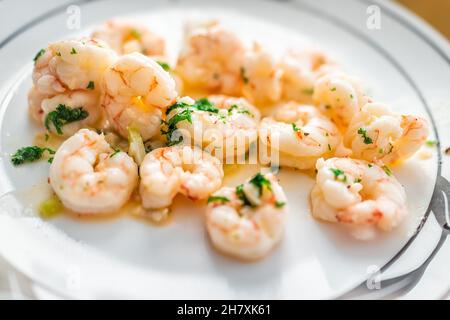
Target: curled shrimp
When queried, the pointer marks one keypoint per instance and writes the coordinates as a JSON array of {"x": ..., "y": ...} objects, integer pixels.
[
  {"x": 89, "y": 176},
  {"x": 247, "y": 222},
  {"x": 261, "y": 76},
  {"x": 339, "y": 96},
  {"x": 71, "y": 65},
  {"x": 301, "y": 69},
  {"x": 211, "y": 59},
  {"x": 127, "y": 36},
  {"x": 300, "y": 134},
  {"x": 136, "y": 92},
  {"x": 357, "y": 193},
  {"x": 165, "y": 172},
  {"x": 377, "y": 134},
  {"x": 226, "y": 126},
  {"x": 71, "y": 72}
]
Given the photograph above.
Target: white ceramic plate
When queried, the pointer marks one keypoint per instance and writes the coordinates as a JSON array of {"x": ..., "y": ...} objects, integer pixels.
[{"x": 404, "y": 63}]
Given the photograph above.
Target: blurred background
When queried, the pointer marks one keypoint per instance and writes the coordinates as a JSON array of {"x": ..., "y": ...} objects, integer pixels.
[{"x": 435, "y": 12}]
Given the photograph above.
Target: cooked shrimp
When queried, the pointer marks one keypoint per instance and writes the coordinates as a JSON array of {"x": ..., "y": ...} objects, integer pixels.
[
  {"x": 89, "y": 176},
  {"x": 261, "y": 76},
  {"x": 211, "y": 59},
  {"x": 137, "y": 91},
  {"x": 301, "y": 69},
  {"x": 247, "y": 222},
  {"x": 377, "y": 134},
  {"x": 357, "y": 193},
  {"x": 339, "y": 96},
  {"x": 225, "y": 126},
  {"x": 89, "y": 101},
  {"x": 71, "y": 65},
  {"x": 300, "y": 133},
  {"x": 127, "y": 36},
  {"x": 165, "y": 172},
  {"x": 69, "y": 71}
]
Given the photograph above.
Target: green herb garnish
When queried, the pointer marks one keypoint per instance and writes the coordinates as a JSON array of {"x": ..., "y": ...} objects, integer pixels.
[
  {"x": 29, "y": 154},
  {"x": 295, "y": 128},
  {"x": 431, "y": 143},
  {"x": 38, "y": 55},
  {"x": 63, "y": 115},
  {"x": 363, "y": 133},
  {"x": 387, "y": 170},
  {"x": 218, "y": 199},
  {"x": 73, "y": 51},
  {"x": 339, "y": 174},
  {"x": 260, "y": 182},
  {"x": 91, "y": 85},
  {"x": 280, "y": 204},
  {"x": 243, "y": 75},
  {"x": 241, "y": 195},
  {"x": 116, "y": 151},
  {"x": 164, "y": 65}
]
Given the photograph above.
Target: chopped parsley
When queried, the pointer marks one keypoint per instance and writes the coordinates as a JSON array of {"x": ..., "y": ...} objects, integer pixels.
[
  {"x": 339, "y": 174},
  {"x": 260, "y": 182},
  {"x": 73, "y": 51},
  {"x": 239, "y": 110},
  {"x": 295, "y": 128},
  {"x": 370, "y": 165},
  {"x": 202, "y": 104},
  {"x": 366, "y": 138},
  {"x": 164, "y": 65},
  {"x": 29, "y": 154},
  {"x": 184, "y": 115},
  {"x": 431, "y": 143},
  {"x": 63, "y": 115},
  {"x": 329, "y": 147},
  {"x": 387, "y": 170},
  {"x": 241, "y": 195},
  {"x": 280, "y": 204},
  {"x": 116, "y": 151},
  {"x": 38, "y": 55},
  {"x": 333, "y": 89},
  {"x": 351, "y": 96},
  {"x": 244, "y": 76},
  {"x": 91, "y": 85},
  {"x": 171, "y": 125},
  {"x": 358, "y": 180},
  {"x": 218, "y": 199}
]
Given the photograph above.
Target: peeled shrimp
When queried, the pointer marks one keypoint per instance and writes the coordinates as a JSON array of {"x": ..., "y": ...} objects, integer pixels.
[
  {"x": 136, "y": 92},
  {"x": 165, "y": 172},
  {"x": 226, "y": 129},
  {"x": 300, "y": 134},
  {"x": 247, "y": 222},
  {"x": 72, "y": 65},
  {"x": 127, "y": 36},
  {"x": 211, "y": 59},
  {"x": 357, "y": 193},
  {"x": 89, "y": 176},
  {"x": 339, "y": 96},
  {"x": 377, "y": 134}
]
